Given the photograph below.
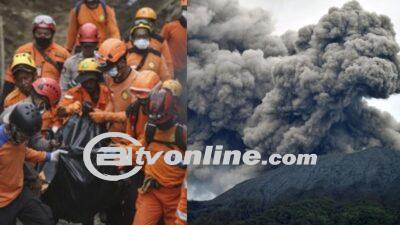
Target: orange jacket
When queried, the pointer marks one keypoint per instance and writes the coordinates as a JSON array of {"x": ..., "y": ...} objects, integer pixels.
[
  {"x": 154, "y": 61},
  {"x": 107, "y": 28},
  {"x": 15, "y": 96},
  {"x": 176, "y": 36},
  {"x": 48, "y": 117},
  {"x": 161, "y": 45},
  {"x": 167, "y": 175},
  {"x": 181, "y": 212},
  {"x": 120, "y": 98},
  {"x": 12, "y": 158},
  {"x": 45, "y": 69},
  {"x": 79, "y": 94}
]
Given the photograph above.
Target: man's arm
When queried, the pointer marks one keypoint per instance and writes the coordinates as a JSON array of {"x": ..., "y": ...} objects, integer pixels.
[
  {"x": 112, "y": 24},
  {"x": 72, "y": 30}
]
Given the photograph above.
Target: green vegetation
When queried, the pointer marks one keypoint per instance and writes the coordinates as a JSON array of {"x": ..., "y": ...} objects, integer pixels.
[{"x": 311, "y": 211}]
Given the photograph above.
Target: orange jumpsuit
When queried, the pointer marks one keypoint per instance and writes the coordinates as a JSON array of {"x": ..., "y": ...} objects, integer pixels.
[
  {"x": 79, "y": 94},
  {"x": 176, "y": 36},
  {"x": 44, "y": 68},
  {"x": 161, "y": 45},
  {"x": 162, "y": 201},
  {"x": 107, "y": 27},
  {"x": 12, "y": 158},
  {"x": 181, "y": 212},
  {"x": 120, "y": 98},
  {"x": 154, "y": 61}
]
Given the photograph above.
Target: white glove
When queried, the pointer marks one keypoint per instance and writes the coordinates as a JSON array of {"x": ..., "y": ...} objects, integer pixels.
[{"x": 55, "y": 156}]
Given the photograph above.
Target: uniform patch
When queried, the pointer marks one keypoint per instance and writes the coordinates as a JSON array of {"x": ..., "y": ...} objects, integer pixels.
[
  {"x": 102, "y": 18},
  {"x": 125, "y": 95}
]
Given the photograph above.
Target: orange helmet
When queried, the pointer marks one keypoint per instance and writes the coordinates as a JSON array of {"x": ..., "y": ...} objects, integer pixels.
[
  {"x": 146, "y": 13},
  {"x": 184, "y": 2},
  {"x": 111, "y": 50},
  {"x": 145, "y": 83}
]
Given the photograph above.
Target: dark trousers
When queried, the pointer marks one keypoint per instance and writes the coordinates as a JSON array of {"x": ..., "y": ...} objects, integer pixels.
[
  {"x": 124, "y": 212},
  {"x": 28, "y": 209}
]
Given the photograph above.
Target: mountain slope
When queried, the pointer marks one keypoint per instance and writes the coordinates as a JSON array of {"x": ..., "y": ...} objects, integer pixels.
[{"x": 371, "y": 176}]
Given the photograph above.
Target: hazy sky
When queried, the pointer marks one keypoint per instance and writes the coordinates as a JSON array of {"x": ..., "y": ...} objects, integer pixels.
[{"x": 294, "y": 14}]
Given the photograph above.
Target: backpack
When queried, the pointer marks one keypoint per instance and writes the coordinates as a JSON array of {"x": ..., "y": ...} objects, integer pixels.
[
  {"x": 132, "y": 113},
  {"x": 102, "y": 3},
  {"x": 179, "y": 141}
]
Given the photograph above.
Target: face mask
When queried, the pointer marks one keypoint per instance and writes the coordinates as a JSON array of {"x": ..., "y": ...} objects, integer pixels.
[
  {"x": 113, "y": 72},
  {"x": 43, "y": 42},
  {"x": 142, "y": 43},
  {"x": 184, "y": 13}
]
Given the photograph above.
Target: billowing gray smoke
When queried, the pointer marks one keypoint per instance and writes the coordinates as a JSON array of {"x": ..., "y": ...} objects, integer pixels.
[{"x": 301, "y": 92}]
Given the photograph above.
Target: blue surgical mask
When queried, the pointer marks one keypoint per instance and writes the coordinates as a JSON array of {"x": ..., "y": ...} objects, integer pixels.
[
  {"x": 113, "y": 72},
  {"x": 142, "y": 43}
]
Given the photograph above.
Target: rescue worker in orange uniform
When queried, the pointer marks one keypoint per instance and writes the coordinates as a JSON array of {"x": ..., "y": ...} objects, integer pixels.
[
  {"x": 88, "y": 40},
  {"x": 142, "y": 56},
  {"x": 119, "y": 78},
  {"x": 175, "y": 33},
  {"x": 160, "y": 194},
  {"x": 148, "y": 17},
  {"x": 17, "y": 201},
  {"x": 44, "y": 94},
  {"x": 181, "y": 212},
  {"x": 176, "y": 88},
  {"x": 48, "y": 56},
  {"x": 96, "y": 12},
  {"x": 137, "y": 113},
  {"x": 90, "y": 91},
  {"x": 23, "y": 70}
]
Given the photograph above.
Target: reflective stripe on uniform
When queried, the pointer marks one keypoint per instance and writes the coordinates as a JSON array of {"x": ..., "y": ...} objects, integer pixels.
[
  {"x": 181, "y": 215},
  {"x": 69, "y": 97}
]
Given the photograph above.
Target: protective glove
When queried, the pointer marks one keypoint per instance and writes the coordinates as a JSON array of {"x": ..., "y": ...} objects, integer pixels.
[
  {"x": 64, "y": 111},
  {"x": 55, "y": 156},
  {"x": 75, "y": 107},
  {"x": 102, "y": 116}
]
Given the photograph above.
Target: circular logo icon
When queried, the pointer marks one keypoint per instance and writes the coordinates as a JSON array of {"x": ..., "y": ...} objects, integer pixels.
[{"x": 90, "y": 146}]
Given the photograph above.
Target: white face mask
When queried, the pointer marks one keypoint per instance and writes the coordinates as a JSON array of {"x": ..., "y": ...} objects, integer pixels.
[
  {"x": 184, "y": 13},
  {"x": 113, "y": 72},
  {"x": 142, "y": 43}
]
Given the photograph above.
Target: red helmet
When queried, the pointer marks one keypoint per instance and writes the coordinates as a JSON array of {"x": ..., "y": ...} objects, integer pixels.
[
  {"x": 161, "y": 106},
  {"x": 48, "y": 88},
  {"x": 88, "y": 33},
  {"x": 44, "y": 21}
]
